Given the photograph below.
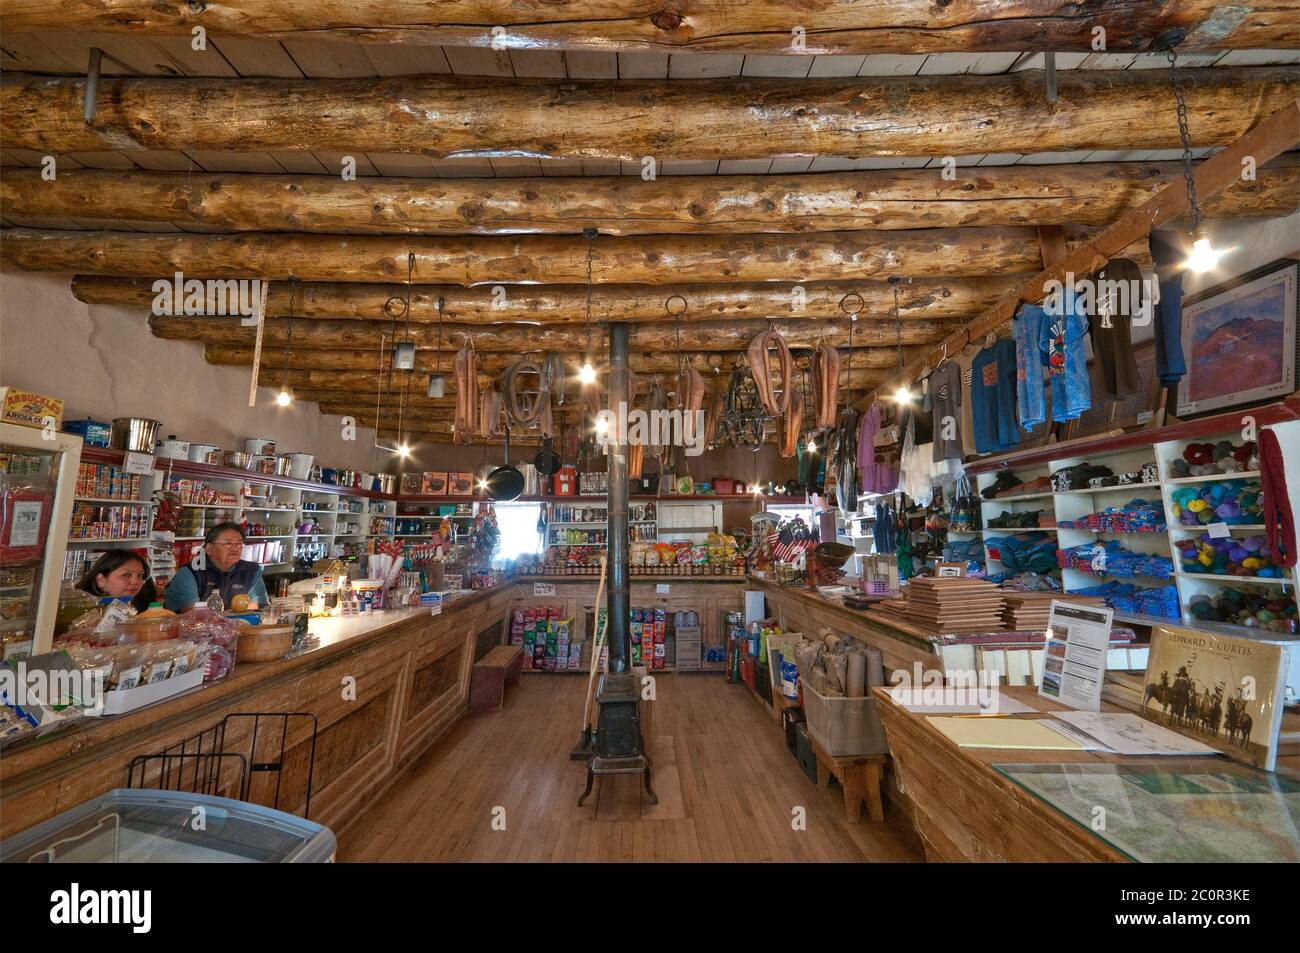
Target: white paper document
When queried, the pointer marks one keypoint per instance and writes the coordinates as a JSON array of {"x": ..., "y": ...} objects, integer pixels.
[{"x": 1126, "y": 733}]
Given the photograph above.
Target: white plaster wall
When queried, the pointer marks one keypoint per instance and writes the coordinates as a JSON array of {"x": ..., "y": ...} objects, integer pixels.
[{"x": 103, "y": 362}]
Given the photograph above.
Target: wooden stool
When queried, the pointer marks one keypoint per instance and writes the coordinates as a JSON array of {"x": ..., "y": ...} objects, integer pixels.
[
  {"x": 490, "y": 676},
  {"x": 859, "y": 776}
]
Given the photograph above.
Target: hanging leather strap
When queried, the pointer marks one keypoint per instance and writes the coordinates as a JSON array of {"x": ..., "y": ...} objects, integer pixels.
[{"x": 758, "y": 363}]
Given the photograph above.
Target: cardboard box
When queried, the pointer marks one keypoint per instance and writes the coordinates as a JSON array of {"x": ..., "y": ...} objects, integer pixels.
[
  {"x": 460, "y": 484},
  {"x": 29, "y": 409},
  {"x": 411, "y": 483},
  {"x": 434, "y": 484}
]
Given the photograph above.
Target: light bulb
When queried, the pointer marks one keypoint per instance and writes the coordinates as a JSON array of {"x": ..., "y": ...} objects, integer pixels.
[
  {"x": 482, "y": 484},
  {"x": 1203, "y": 257},
  {"x": 812, "y": 445},
  {"x": 283, "y": 398},
  {"x": 587, "y": 373},
  {"x": 403, "y": 450},
  {"x": 602, "y": 425},
  {"x": 903, "y": 395}
]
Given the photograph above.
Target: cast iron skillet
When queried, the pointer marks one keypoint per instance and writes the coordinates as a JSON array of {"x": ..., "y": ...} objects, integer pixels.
[
  {"x": 547, "y": 460},
  {"x": 505, "y": 483}
]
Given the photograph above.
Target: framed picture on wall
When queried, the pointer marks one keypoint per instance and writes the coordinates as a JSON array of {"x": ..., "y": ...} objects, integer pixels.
[{"x": 1239, "y": 340}]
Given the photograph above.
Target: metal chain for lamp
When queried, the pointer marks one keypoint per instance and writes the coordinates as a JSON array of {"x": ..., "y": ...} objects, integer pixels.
[
  {"x": 288, "y": 340},
  {"x": 590, "y": 235},
  {"x": 1183, "y": 133},
  {"x": 898, "y": 325}
]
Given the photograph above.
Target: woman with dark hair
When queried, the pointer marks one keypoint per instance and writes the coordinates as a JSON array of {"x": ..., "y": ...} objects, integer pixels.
[
  {"x": 118, "y": 573},
  {"x": 218, "y": 568}
]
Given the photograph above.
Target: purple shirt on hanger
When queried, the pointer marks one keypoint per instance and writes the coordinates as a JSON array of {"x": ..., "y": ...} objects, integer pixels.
[{"x": 875, "y": 477}]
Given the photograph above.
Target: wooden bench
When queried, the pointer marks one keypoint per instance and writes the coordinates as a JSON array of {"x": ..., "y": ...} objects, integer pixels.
[
  {"x": 490, "y": 676},
  {"x": 859, "y": 776}
]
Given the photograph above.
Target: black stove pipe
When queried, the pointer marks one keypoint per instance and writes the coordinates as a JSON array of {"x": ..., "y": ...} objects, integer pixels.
[{"x": 616, "y": 568}]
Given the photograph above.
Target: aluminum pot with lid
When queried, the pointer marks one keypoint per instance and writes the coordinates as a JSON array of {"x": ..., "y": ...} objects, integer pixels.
[
  {"x": 204, "y": 453},
  {"x": 259, "y": 446},
  {"x": 173, "y": 448},
  {"x": 135, "y": 433}
]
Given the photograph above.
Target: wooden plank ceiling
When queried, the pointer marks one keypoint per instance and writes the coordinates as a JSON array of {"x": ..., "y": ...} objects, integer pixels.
[{"x": 777, "y": 236}]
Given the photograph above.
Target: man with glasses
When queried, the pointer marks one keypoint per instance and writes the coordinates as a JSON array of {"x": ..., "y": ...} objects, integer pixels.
[{"x": 218, "y": 568}]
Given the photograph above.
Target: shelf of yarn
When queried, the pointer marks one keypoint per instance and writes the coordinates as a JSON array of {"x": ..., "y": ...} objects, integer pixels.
[{"x": 1212, "y": 493}]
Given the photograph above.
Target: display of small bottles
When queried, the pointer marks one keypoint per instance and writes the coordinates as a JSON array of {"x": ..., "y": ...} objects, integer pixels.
[
  {"x": 565, "y": 513},
  {"x": 590, "y": 483},
  {"x": 578, "y": 537}
]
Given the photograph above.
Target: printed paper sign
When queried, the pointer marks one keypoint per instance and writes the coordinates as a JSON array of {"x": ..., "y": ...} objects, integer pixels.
[
  {"x": 1074, "y": 664},
  {"x": 543, "y": 588},
  {"x": 662, "y": 588},
  {"x": 141, "y": 463}
]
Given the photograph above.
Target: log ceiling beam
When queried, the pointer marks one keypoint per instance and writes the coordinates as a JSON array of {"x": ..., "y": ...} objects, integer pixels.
[
  {"x": 705, "y": 336},
  {"x": 757, "y": 26},
  {"x": 1275, "y": 134},
  {"x": 566, "y": 304},
  {"x": 1085, "y": 194},
  {"x": 354, "y": 370},
  {"x": 493, "y": 260},
  {"x": 444, "y": 116}
]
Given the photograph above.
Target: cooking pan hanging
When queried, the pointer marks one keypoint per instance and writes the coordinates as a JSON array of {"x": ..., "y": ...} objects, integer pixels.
[
  {"x": 547, "y": 460},
  {"x": 505, "y": 483}
]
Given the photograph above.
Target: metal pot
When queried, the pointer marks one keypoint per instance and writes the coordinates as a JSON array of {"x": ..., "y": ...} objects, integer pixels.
[
  {"x": 173, "y": 448},
  {"x": 135, "y": 433},
  {"x": 238, "y": 459},
  {"x": 282, "y": 466},
  {"x": 204, "y": 453},
  {"x": 259, "y": 446},
  {"x": 387, "y": 482},
  {"x": 299, "y": 464},
  {"x": 531, "y": 480}
]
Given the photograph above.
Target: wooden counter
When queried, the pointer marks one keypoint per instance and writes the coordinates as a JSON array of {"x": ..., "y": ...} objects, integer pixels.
[
  {"x": 383, "y": 687},
  {"x": 964, "y": 810},
  {"x": 799, "y": 609}
]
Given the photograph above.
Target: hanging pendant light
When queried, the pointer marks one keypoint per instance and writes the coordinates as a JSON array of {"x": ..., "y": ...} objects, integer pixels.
[
  {"x": 587, "y": 373},
  {"x": 903, "y": 395},
  {"x": 1204, "y": 256},
  {"x": 285, "y": 397},
  {"x": 396, "y": 307}
]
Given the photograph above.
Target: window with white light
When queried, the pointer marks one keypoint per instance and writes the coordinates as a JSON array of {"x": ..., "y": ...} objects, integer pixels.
[
  {"x": 519, "y": 533},
  {"x": 789, "y": 511}
]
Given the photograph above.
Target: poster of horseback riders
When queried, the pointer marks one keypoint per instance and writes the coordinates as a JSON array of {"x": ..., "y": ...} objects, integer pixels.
[{"x": 1223, "y": 690}]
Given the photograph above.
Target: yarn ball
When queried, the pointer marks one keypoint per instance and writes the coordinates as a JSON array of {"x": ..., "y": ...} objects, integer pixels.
[
  {"x": 1179, "y": 469},
  {"x": 1199, "y": 453},
  {"x": 1223, "y": 448}
]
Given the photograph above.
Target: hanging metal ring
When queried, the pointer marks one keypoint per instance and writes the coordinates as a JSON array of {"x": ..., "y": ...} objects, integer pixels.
[
  {"x": 668, "y": 306},
  {"x": 852, "y": 303}
]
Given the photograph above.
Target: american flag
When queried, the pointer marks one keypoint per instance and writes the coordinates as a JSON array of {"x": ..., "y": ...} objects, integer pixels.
[{"x": 786, "y": 552}]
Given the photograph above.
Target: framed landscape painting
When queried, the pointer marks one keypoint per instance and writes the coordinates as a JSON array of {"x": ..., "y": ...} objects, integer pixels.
[{"x": 1239, "y": 340}]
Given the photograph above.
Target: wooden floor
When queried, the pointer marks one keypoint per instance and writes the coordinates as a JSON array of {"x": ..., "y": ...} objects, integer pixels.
[{"x": 727, "y": 790}]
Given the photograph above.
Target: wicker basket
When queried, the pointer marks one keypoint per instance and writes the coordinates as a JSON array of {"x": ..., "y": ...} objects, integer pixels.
[{"x": 264, "y": 643}]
